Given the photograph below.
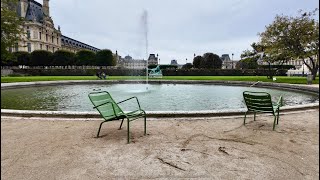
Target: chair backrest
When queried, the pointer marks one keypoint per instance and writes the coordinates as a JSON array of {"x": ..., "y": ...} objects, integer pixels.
[
  {"x": 106, "y": 110},
  {"x": 258, "y": 101}
]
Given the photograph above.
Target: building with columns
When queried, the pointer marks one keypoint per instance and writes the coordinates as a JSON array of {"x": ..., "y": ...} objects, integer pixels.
[{"x": 40, "y": 33}]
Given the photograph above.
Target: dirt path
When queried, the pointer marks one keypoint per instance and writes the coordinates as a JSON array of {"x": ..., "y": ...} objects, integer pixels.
[{"x": 200, "y": 148}]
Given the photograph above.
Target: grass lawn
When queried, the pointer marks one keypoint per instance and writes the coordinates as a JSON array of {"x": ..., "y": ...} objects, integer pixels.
[{"x": 280, "y": 79}]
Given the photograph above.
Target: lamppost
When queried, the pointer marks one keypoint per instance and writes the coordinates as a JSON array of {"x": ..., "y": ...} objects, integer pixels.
[
  {"x": 186, "y": 60},
  {"x": 232, "y": 60},
  {"x": 157, "y": 59}
]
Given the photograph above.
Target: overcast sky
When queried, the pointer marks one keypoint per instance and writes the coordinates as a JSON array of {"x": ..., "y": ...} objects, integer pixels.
[{"x": 176, "y": 28}]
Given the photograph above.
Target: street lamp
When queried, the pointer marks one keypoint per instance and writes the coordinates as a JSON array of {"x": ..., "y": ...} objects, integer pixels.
[
  {"x": 157, "y": 59},
  {"x": 232, "y": 60}
]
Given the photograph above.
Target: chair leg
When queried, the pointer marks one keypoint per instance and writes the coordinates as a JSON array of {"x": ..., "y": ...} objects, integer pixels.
[
  {"x": 278, "y": 117},
  {"x": 121, "y": 124},
  {"x": 145, "y": 125},
  {"x": 100, "y": 128},
  {"x": 254, "y": 116},
  {"x": 274, "y": 122},
  {"x": 245, "y": 115},
  {"x": 128, "y": 135}
]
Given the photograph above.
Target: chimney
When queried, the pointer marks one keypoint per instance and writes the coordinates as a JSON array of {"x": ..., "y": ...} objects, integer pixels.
[
  {"x": 45, "y": 7},
  {"x": 23, "y": 8}
]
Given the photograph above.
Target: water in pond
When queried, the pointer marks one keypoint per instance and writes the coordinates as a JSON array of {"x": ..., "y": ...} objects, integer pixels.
[{"x": 158, "y": 97}]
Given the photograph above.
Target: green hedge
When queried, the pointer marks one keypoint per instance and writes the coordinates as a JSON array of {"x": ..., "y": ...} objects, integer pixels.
[{"x": 142, "y": 72}]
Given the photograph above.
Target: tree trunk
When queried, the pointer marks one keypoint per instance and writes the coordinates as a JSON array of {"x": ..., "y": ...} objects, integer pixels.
[
  {"x": 314, "y": 73},
  {"x": 270, "y": 72}
]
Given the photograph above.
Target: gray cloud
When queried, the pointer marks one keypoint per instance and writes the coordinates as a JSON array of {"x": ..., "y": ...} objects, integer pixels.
[{"x": 177, "y": 28}]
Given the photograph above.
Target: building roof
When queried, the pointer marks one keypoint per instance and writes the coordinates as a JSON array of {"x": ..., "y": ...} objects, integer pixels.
[
  {"x": 225, "y": 57},
  {"x": 174, "y": 62},
  {"x": 34, "y": 11},
  {"x": 72, "y": 42},
  {"x": 152, "y": 56}
]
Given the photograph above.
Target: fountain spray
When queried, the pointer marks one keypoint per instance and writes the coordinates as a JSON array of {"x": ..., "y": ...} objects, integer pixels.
[{"x": 144, "y": 19}]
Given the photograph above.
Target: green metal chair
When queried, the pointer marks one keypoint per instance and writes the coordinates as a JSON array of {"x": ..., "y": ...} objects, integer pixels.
[
  {"x": 110, "y": 110},
  {"x": 260, "y": 102}
]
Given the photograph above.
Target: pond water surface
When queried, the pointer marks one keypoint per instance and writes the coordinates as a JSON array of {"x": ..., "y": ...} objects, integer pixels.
[{"x": 158, "y": 97}]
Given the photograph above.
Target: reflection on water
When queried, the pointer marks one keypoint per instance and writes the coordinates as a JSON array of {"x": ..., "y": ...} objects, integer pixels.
[{"x": 160, "y": 97}]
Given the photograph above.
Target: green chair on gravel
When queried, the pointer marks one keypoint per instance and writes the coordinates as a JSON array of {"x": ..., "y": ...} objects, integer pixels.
[
  {"x": 110, "y": 110},
  {"x": 260, "y": 102}
]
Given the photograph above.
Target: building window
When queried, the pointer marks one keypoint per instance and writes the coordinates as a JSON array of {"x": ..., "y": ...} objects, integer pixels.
[
  {"x": 40, "y": 35},
  {"x": 47, "y": 47},
  {"x": 29, "y": 47},
  {"x": 52, "y": 39},
  {"x": 57, "y": 40},
  {"x": 28, "y": 34},
  {"x": 52, "y": 49},
  {"x": 47, "y": 37},
  {"x": 41, "y": 46},
  {"x": 10, "y": 49}
]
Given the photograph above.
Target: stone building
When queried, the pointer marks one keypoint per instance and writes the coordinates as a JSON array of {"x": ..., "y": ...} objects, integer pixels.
[
  {"x": 40, "y": 31},
  {"x": 227, "y": 63},
  {"x": 153, "y": 59},
  {"x": 129, "y": 63}
]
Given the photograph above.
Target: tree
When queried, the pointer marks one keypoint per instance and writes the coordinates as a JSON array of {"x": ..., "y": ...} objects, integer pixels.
[
  {"x": 211, "y": 61},
  {"x": 63, "y": 58},
  {"x": 259, "y": 53},
  {"x": 40, "y": 58},
  {"x": 104, "y": 58},
  {"x": 85, "y": 57},
  {"x": 293, "y": 37},
  {"x": 197, "y": 61},
  {"x": 11, "y": 28},
  {"x": 247, "y": 63}
]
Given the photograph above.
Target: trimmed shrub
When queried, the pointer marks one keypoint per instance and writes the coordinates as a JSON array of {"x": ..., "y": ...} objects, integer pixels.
[
  {"x": 85, "y": 57},
  {"x": 104, "y": 58},
  {"x": 21, "y": 58},
  {"x": 63, "y": 58},
  {"x": 41, "y": 58}
]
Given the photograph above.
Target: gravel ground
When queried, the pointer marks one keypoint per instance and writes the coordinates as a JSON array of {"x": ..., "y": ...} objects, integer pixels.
[{"x": 179, "y": 148}]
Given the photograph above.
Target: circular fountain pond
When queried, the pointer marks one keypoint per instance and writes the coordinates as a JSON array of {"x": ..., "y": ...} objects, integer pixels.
[{"x": 152, "y": 97}]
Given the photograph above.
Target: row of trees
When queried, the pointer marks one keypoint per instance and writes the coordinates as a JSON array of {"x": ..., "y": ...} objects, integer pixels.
[{"x": 62, "y": 58}]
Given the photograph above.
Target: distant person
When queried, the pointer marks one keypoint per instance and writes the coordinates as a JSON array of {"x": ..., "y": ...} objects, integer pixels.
[
  {"x": 98, "y": 73},
  {"x": 101, "y": 74}
]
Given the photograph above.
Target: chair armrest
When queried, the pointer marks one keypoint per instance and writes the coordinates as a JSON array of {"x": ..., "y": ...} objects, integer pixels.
[
  {"x": 114, "y": 112},
  {"x": 129, "y": 99},
  {"x": 280, "y": 102}
]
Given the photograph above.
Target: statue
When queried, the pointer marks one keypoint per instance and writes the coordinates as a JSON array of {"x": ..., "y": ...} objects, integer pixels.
[{"x": 155, "y": 72}]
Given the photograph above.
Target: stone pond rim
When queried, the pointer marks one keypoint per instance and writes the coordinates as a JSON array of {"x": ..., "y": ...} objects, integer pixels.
[{"x": 208, "y": 113}]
